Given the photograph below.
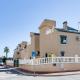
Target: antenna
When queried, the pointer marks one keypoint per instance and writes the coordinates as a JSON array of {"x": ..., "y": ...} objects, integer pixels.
[{"x": 78, "y": 26}]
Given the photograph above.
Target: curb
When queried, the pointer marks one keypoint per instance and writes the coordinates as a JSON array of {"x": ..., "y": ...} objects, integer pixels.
[{"x": 50, "y": 74}]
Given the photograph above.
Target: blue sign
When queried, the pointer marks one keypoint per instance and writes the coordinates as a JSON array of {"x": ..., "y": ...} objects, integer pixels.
[{"x": 33, "y": 54}]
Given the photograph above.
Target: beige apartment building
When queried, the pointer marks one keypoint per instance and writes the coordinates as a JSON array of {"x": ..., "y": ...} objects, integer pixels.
[
  {"x": 61, "y": 42},
  {"x": 50, "y": 42},
  {"x": 24, "y": 49}
]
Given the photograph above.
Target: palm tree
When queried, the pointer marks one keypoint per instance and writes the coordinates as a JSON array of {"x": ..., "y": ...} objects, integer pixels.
[{"x": 6, "y": 50}]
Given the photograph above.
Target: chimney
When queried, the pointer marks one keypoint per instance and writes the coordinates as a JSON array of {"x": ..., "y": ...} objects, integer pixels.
[{"x": 65, "y": 26}]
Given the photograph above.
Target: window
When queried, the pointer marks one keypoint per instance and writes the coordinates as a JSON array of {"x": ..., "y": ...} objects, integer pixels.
[
  {"x": 77, "y": 38},
  {"x": 62, "y": 53},
  {"x": 30, "y": 57},
  {"x": 19, "y": 45},
  {"x": 25, "y": 46},
  {"x": 46, "y": 55},
  {"x": 38, "y": 53},
  {"x": 63, "y": 39},
  {"x": 18, "y": 53}
]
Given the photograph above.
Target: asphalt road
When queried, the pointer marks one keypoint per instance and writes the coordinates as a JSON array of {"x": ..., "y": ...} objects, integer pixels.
[{"x": 10, "y": 74}]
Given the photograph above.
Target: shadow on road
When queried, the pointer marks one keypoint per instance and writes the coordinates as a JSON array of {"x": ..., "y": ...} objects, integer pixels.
[{"x": 9, "y": 70}]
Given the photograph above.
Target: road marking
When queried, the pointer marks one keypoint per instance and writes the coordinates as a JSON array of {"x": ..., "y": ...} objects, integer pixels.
[{"x": 4, "y": 69}]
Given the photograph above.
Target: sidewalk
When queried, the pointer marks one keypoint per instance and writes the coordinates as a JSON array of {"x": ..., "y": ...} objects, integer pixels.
[
  {"x": 24, "y": 73},
  {"x": 66, "y": 73},
  {"x": 49, "y": 74},
  {"x": 63, "y": 73}
]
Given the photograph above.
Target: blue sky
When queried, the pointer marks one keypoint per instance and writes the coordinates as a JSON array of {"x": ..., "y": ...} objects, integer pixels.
[{"x": 20, "y": 17}]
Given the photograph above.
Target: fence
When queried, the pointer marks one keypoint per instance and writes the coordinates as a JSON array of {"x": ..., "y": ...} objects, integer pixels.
[{"x": 50, "y": 60}]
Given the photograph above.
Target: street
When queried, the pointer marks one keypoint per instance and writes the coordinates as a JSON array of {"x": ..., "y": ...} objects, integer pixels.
[{"x": 11, "y": 74}]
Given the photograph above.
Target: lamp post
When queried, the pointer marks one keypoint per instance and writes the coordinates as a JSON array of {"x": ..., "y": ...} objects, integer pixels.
[
  {"x": 34, "y": 66},
  {"x": 34, "y": 56}
]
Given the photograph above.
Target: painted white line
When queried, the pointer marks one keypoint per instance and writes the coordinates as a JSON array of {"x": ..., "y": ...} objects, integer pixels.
[{"x": 7, "y": 69}]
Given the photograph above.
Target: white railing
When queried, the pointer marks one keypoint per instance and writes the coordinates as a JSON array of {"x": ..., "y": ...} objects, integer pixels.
[
  {"x": 50, "y": 60},
  {"x": 26, "y": 61}
]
